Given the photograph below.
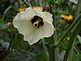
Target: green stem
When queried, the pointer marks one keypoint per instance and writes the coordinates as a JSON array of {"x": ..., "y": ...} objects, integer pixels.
[
  {"x": 45, "y": 49},
  {"x": 25, "y": 2},
  {"x": 77, "y": 9},
  {"x": 70, "y": 55},
  {"x": 72, "y": 39},
  {"x": 7, "y": 9},
  {"x": 51, "y": 51},
  {"x": 69, "y": 29},
  {"x": 75, "y": 49},
  {"x": 57, "y": 54}
]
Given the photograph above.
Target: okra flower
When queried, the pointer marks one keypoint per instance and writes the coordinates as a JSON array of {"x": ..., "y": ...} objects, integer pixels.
[
  {"x": 74, "y": 1},
  {"x": 66, "y": 17},
  {"x": 34, "y": 25}
]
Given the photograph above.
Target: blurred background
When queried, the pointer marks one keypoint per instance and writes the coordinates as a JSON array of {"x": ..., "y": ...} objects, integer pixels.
[{"x": 12, "y": 45}]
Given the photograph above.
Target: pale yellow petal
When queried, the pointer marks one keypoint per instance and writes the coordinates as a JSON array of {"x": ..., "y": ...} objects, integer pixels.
[
  {"x": 24, "y": 27},
  {"x": 48, "y": 16},
  {"x": 48, "y": 29},
  {"x": 33, "y": 37}
]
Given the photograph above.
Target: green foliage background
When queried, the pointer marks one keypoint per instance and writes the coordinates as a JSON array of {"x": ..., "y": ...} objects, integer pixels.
[{"x": 14, "y": 48}]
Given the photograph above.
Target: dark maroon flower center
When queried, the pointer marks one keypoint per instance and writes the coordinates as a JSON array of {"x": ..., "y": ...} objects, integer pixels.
[{"x": 37, "y": 21}]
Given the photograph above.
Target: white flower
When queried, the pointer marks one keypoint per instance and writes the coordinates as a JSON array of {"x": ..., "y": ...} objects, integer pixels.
[
  {"x": 34, "y": 25},
  {"x": 74, "y": 1}
]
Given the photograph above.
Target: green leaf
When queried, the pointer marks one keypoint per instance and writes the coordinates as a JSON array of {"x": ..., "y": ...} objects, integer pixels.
[
  {"x": 68, "y": 30},
  {"x": 1, "y": 21},
  {"x": 79, "y": 38},
  {"x": 76, "y": 57},
  {"x": 72, "y": 39},
  {"x": 41, "y": 56},
  {"x": 26, "y": 3}
]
